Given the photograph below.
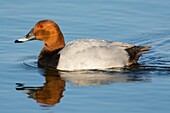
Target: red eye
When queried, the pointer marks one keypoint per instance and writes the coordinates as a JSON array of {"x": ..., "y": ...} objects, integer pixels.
[{"x": 41, "y": 26}]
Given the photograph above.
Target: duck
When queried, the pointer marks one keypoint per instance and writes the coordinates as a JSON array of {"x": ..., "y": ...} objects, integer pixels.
[{"x": 80, "y": 54}]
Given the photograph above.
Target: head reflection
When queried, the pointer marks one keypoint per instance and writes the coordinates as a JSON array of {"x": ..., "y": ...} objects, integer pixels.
[{"x": 49, "y": 94}]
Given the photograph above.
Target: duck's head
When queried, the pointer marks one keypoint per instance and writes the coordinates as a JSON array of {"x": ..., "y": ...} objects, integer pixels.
[{"x": 48, "y": 32}]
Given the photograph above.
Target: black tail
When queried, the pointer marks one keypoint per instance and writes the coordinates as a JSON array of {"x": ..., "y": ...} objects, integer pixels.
[{"x": 135, "y": 52}]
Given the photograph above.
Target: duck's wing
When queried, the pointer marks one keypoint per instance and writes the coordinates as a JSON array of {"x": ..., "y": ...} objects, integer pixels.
[{"x": 122, "y": 44}]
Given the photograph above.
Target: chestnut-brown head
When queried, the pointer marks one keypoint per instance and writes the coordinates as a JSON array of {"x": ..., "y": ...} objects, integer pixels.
[
  {"x": 45, "y": 29},
  {"x": 48, "y": 32}
]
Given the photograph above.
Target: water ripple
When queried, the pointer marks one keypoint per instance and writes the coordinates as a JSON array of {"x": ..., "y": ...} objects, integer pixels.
[{"x": 28, "y": 62}]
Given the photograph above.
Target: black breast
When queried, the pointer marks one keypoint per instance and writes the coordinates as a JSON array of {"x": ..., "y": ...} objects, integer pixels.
[{"x": 48, "y": 59}]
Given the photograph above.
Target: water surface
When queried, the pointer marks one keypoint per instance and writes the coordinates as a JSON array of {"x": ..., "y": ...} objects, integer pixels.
[{"x": 140, "y": 89}]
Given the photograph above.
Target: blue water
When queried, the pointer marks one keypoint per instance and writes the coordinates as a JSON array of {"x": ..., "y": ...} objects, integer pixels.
[{"x": 25, "y": 88}]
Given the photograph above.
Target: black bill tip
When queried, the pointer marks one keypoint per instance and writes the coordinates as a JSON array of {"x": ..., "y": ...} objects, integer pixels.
[{"x": 17, "y": 41}]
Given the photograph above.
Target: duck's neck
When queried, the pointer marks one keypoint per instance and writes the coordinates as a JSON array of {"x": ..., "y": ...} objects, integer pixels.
[
  {"x": 54, "y": 42},
  {"x": 49, "y": 56}
]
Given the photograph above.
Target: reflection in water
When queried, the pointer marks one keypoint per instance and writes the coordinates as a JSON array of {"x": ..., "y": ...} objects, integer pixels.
[
  {"x": 52, "y": 91},
  {"x": 98, "y": 78}
]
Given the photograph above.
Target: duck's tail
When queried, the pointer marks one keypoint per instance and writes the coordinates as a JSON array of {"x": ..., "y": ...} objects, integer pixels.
[{"x": 135, "y": 52}]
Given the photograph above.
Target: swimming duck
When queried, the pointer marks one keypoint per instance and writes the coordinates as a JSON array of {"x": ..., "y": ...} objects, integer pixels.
[{"x": 82, "y": 54}]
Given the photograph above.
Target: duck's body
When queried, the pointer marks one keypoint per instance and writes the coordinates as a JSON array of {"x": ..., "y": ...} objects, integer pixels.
[
  {"x": 83, "y": 54},
  {"x": 86, "y": 54}
]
